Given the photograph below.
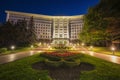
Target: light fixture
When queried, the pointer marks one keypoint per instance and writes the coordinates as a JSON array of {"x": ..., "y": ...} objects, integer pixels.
[
  {"x": 113, "y": 49},
  {"x": 32, "y": 46},
  {"x": 83, "y": 44},
  {"x": 12, "y": 47}
]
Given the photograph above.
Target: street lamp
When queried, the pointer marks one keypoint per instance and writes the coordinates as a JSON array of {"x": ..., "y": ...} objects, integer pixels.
[
  {"x": 113, "y": 49},
  {"x": 12, "y": 47}
]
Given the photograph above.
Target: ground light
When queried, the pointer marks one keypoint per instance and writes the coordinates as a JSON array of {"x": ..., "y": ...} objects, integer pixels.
[
  {"x": 12, "y": 47},
  {"x": 113, "y": 49},
  {"x": 91, "y": 47},
  {"x": 49, "y": 47},
  {"x": 83, "y": 44},
  {"x": 39, "y": 44},
  {"x": 32, "y": 46},
  {"x": 73, "y": 47}
]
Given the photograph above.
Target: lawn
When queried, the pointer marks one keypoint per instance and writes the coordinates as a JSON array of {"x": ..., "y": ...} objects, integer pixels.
[
  {"x": 106, "y": 50},
  {"x": 22, "y": 70},
  {"x": 19, "y": 49}
]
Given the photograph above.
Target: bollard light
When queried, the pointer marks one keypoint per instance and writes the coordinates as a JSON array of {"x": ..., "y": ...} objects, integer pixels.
[
  {"x": 39, "y": 44},
  {"x": 83, "y": 44},
  {"x": 91, "y": 47},
  {"x": 31, "y": 46},
  {"x": 12, "y": 47},
  {"x": 113, "y": 49}
]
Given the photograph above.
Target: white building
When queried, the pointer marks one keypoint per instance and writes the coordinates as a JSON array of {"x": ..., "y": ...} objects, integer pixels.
[{"x": 58, "y": 29}]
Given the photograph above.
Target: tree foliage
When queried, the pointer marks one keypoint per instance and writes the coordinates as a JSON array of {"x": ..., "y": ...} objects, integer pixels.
[
  {"x": 20, "y": 34},
  {"x": 97, "y": 22}
]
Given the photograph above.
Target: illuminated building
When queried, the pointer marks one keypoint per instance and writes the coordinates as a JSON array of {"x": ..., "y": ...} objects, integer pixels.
[{"x": 57, "y": 29}]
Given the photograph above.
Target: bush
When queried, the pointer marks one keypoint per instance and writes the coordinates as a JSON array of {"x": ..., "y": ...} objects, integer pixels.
[
  {"x": 72, "y": 63},
  {"x": 2, "y": 50},
  {"x": 56, "y": 61},
  {"x": 53, "y": 63},
  {"x": 62, "y": 63},
  {"x": 73, "y": 57},
  {"x": 50, "y": 57}
]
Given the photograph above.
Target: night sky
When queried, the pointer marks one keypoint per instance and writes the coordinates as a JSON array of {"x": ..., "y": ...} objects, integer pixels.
[{"x": 47, "y": 7}]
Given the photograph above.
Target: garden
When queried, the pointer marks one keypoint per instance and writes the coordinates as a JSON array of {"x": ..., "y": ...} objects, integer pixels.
[{"x": 62, "y": 65}]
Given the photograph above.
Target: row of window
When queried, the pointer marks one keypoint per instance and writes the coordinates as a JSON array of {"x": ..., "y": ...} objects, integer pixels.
[
  {"x": 37, "y": 30},
  {"x": 44, "y": 37},
  {"x": 36, "y": 27},
  {"x": 41, "y": 24}
]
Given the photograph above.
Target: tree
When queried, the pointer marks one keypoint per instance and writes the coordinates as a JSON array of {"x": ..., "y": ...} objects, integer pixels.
[
  {"x": 96, "y": 23},
  {"x": 20, "y": 34}
]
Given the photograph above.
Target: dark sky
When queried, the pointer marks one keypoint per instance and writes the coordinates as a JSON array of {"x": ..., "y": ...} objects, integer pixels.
[{"x": 48, "y": 7}]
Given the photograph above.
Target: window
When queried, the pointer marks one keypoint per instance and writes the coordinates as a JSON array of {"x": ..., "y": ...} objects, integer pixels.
[{"x": 60, "y": 35}]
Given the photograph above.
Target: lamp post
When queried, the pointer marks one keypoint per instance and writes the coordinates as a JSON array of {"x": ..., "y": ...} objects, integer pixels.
[{"x": 113, "y": 49}]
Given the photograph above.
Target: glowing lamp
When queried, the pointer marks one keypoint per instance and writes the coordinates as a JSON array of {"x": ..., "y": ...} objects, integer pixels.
[
  {"x": 113, "y": 49},
  {"x": 83, "y": 44},
  {"x": 12, "y": 47},
  {"x": 32, "y": 46}
]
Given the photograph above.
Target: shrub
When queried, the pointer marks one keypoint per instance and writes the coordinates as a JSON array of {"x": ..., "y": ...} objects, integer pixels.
[
  {"x": 72, "y": 63},
  {"x": 50, "y": 57},
  {"x": 73, "y": 57},
  {"x": 2, "y": 50},
  {"x": 53, "y": 63}
]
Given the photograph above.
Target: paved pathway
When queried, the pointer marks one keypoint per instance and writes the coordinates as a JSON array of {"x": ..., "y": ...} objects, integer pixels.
[
  {"x": 16, "y": 56},
  {"x": 111, "y": 58}
]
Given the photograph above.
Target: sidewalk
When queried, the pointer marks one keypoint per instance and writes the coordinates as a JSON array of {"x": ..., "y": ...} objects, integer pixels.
[
  {"x": 19, "y": 55},
  {"x": 110, "y": 58}
]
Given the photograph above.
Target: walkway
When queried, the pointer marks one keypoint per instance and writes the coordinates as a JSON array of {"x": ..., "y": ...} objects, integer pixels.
[
  {"x": 16, "y": 56},
  {"x": 110, "y": 58}
]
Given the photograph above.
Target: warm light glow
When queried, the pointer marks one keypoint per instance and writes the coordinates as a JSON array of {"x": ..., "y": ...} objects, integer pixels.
[
  {"x": 74, "y": 48},
  {"x": 31, "y": 52},
  {"x": 78, "y": 44},
  {"x": 12, "y": 57},
  {"x": 83, "y": 44},
  {"x": 39, "y": 51},
  {"x": 91, "y": 53},
  {"x": 114, "y": 59},
  {"x": 113, "y": 48},
  {"x": 49, "y": 47},
  {"x": 91, "y": 47},
  {"x": 12, "y": 47},
  {"x": 39, "y": 44},
  {"x": 32, "y": 46}
]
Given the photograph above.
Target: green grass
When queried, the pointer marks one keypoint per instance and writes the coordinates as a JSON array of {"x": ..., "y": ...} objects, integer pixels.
[
  {"x": 22, "y": 70},
  {"x": 20, "y": 49},
  {"x": 106, "y": 50}
]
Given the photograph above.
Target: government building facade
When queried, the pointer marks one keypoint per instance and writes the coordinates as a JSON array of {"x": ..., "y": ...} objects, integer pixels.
[{"x": 55, "y": 29}]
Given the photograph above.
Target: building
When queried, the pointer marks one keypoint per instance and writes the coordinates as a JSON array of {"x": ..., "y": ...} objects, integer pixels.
[{"x": 57, "y": 29}]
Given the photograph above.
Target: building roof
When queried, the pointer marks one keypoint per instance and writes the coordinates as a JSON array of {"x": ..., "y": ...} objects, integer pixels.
[{"x": 41, "y": 15}]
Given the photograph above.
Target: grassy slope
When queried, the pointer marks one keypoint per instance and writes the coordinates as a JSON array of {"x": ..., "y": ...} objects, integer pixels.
[
  {"x": 22, "y": 70},
  {"x": 106, "y": 50},
  {"x": 16, "y": 50}
]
